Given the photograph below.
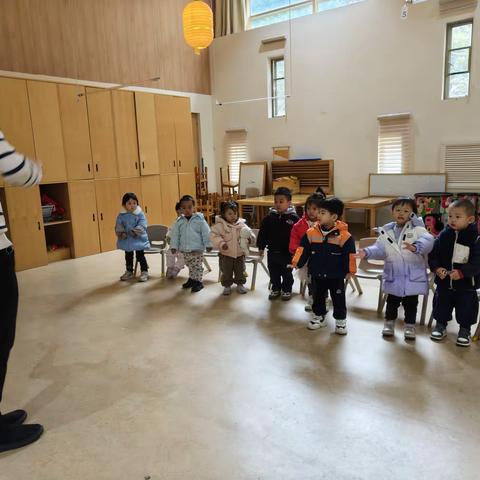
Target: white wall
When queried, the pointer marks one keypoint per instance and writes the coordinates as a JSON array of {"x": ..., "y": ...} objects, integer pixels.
[{"x": 348, "y": 66}]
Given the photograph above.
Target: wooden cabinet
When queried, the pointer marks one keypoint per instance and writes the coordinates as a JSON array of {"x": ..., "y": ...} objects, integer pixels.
[
  {"x": 102, "y": 136},
  {"x": 147, "y": 133},
  {"x": 186, "y": 184},
  {"x": 76, "y": 135},
  {"x": 164, "y": 111},
  {"x": 125, "y": 133},
  {"x": 152, "y": 199},
  {"x": 183, "y": 135},
  {"x": 131, "y": 185},
  {"x": 170, "y": 196},
  {"x": 109, "y": 203},
  {"x": 26, "y": 226},
  {"x": 83, "y": 211}
]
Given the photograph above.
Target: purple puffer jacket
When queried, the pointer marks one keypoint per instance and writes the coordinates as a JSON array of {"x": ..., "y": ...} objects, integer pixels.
[{"x": 405, "y": 272}]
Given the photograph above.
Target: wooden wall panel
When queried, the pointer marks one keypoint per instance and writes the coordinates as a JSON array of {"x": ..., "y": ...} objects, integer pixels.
[{"x": 100, "y": 40}]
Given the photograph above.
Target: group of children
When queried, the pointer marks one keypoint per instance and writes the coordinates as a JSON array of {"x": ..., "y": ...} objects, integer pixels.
[{"x": 323, "y": 251}]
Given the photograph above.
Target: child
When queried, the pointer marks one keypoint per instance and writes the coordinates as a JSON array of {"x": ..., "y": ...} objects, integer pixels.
[
  {"x": 191, "y": 236},
  {"x": 310, "y": 216},
  {"x": 404, "y": 245},
  {"x": 131, "y": 230},
  {"x": 226, "y": 235},
  {"x": 455, "y": 260},
  {"x": 275, "y": 232},
  {"x": 175, "y": 262},
  {"x": 330, "y": 251}
]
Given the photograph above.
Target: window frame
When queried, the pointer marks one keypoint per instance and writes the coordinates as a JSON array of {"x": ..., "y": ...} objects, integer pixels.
[
  {"x": 273, "y": 86},
  {"x": 446, "y": 75}
]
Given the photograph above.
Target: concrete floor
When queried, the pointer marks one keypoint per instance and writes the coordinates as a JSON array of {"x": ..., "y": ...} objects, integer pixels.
[{"x": 135, "y": 381}]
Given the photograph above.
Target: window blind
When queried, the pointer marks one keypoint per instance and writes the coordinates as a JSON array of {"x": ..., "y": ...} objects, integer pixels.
[
  {"x": 236, "y": 148},
  {"x": 455, "y": 6},
  {"x": 394, "y": 143},
  {"x": 462, "y": 166}
]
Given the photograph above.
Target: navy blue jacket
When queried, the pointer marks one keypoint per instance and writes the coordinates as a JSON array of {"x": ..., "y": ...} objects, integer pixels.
[
  {"x": 275, "y": 231},
  {"x": 466, "y": 244}
]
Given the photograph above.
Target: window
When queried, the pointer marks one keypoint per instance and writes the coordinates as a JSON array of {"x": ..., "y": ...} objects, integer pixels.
[
  {"x": 394, "y": 140},
  {"x": 462, "y": 166},
  {"x": 277, "y": 68},
  {"x": 236, "y": 149},
  {"x": 458, "y": 59},
  {"x": 267, "y": 12}
]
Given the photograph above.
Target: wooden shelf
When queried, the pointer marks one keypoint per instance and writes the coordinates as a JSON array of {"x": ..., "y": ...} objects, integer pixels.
[
  {"x": 57, "y": 222},
  {"x": 61, "y": 253}
]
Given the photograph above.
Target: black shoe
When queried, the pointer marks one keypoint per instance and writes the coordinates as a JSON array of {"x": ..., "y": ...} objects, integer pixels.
[
  {"x": 439, "y": 332},
  {"x": 189, "y": 283},
  {"x": 197, "y": 287},
  {"x": 463, "y": 338},
  {"x": 274, "y": 294},
  {"x": 16, "y": 436},
  {"x": 17, "y": 417}
]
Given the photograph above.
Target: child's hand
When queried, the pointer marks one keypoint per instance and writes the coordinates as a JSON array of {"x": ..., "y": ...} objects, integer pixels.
[
  {"x": 224, "y": 246},
  {"x": 361, "y": 254},
  {"x": 290, "y": 267},
  {"x": 410, "y": 246},
  {"x": 441, "y": 273},
  {"x": 209, "y": 249},
  {"x": 456, "y": 275},
  {"x": 173, "y": 250}
]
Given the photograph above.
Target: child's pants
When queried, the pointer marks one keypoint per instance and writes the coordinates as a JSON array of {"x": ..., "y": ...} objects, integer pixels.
[
  {"x": 280, "y": 276},
  {"x": 140, "y": 259},
  {"x": 409, "y": 303},
  {"x": 337, "y": 293},
  {"x": 465, "y": 303},
  {"x": 233, "y": 270},
  {"x": 175, "y": 260},
  {"x": 194, "y": 262}
]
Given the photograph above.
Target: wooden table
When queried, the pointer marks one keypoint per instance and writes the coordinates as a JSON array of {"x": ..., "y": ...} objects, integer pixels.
[
  {"x": 268, "y": 201},
  {"x": 371, "y": 204}
]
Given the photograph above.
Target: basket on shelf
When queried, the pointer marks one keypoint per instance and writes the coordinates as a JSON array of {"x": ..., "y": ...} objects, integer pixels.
[{"x": 47, "y": 211}]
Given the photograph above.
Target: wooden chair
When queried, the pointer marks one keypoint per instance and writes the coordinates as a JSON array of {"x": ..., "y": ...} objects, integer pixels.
[
  {"x": 225, "y": 181},
  {"x": 157, "y": 235},
  {"x": 255, "y": 259},
  {"x": 201, "y": 182}
]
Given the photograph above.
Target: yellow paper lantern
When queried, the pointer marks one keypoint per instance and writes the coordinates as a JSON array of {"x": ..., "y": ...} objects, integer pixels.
[{"x": 198, "y": 25}]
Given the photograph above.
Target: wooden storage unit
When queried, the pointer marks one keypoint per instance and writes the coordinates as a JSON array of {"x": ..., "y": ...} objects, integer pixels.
[
  {"x": 165, "y": 111},
  {"x": 186, "y": 184},
  {"x": 108, "y": 206},
  {"x": 133, "y": 185},
  {"x": 147, "y": 133},
  {"x": 183, "y": 135},
  {"x": 170, "y": 196},
  {"x": 152, "y": 199}
]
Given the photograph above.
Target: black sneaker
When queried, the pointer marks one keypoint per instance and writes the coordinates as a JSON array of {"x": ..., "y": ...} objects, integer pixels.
[
  {"x": 274, "y": 294},
  {"x": 463, "y": 338},
  {"x": 17, "y": 417},
  {"x": 16, "y": 436},
  {"x": 189, "y": 283},
  {"x": 197, "y": 286},
  {"x": 439, "y": 332}
]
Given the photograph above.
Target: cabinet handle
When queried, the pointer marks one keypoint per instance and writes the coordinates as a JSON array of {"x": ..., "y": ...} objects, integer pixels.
[
  {"x": 39, "y": 227},
  {"x": 88, "y": 166},
  {"x": 93, "y": 216},
  {"x": 136, "y": 166},
  {"x": 96, "y": 167},
  {"x": 146, "y": 209},
  {"x": 174, "y": 163},
  {"x": 179, "y": 163},
  {"x": 143, "y": 164},
  {"x": 101, "y": 217}
]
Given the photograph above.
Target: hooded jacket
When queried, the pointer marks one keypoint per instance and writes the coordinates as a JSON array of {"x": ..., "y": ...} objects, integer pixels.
[
  {"x": 225, "y": 233},
  {"x": 190, "y": 234},
  {"x": 134, "y": 225},
  {"x": 275, "y": 231},
  {"x": 298, "y": 231}
]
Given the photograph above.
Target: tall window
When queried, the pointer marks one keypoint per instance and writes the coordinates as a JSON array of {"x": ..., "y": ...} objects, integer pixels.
[
  {"x": 394, "y": 143},
  {"x": 277, "y": 68},
  {"x": 236, "y": 150},
  {"x": 458, "y": 59}
]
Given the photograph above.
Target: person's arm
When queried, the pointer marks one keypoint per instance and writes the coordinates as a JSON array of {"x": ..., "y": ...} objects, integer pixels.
[
  {"x": 175, "y": 237},
  {"x": 216, "y": 237},
  {"x": 294, "y": 239},
  {"x": 141, "y": 225},
  {"x": 376, "y": 251},
  {"x": 424, "y": 244},
  {"x": 472, "y": 268},
  {"x": 119, "y": 228},
  {"x": 205, "y": 232},
  {"x": 262, "y": 235},
  {"x": 349, "y": 251},
  {"x": 16, "y": 168},
  {"x": 303, "y": 252},
  {"x": 434, "y": 260}
]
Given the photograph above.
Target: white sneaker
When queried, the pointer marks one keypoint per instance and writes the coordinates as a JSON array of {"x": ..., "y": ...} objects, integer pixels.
[
  {"x": 388, "y": 328},
  {"x": 126, "y": 276},
  {"x": 308, "y": 305},
  {"x": 341, "y": 327},
  {"x": 241, "y": 289},
  {"x": 143, "y": 277},
  {"x": 227, "y": 291},
  {"x": 318, "y": 321},
  {"x": 409, "y": 332}
]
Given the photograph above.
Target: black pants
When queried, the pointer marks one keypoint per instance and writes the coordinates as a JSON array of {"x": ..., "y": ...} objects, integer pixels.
[
  {"x": 9, "y": 304},
  {"x": 337, "y": 293},
  {"x": 465, "y": 303},
  {"x": 140, "y": 259},
  {"x": 409, "y": 303},
  {"x": 280, "y": 276}
]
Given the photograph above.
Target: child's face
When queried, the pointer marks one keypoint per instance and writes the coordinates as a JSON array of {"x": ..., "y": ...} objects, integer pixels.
[
  {"x": 187, "y": 208},
  {"x": 401, "y": 213},
  {"x": 231, "y": 216},
  {"x": 312, "y": 212},
  {"x": 282, "y": 203},
  {"x": 458, "y": 218},
  {"x": 327, "y": 218},
  {"x": 131, "y": 205},
  {"x": 179, "y": 212}
]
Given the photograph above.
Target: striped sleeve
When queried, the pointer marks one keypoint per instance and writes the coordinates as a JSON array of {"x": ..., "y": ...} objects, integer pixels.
[{"x": 15, "y": 168}]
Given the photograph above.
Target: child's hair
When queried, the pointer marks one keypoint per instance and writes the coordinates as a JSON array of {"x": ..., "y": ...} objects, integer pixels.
[
  {"x": 283, "y": 191},
  {"x": 405, "y": 201},
  {"x": 178, "y": 206},
  {"x": 320, "y": 191},
  {"x": 129, "y": 196},
  {"x": 314, "y": 199},
  {"x": 333, "y": 205},
  {"x": 228, "y": 205},
  {"x": 187, "y": 198},
  {"x": 466, "y": 204}
]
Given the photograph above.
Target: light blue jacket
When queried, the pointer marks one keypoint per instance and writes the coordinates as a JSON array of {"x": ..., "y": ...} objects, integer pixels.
[
  {"x": 190, "y": 235},
  {"x": 134, "y": 225},
  {"x": 405, "y": 272}
]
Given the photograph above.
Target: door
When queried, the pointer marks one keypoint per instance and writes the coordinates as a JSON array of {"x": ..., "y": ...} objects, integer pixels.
[
  {"x": 186, "y": 184},
  {"x": 109, "y": 203},
  {"x": 164, "y": 110},
  {"x": 152, "y": 199},
  {"x": 26, "y": 226},
  {"x": 102, "y": 135},
  {"x": 147, "y": 133},
  {"x": 133, "y": 185},
  {"x": 83, "y": 208},
  {"x": 76, "y": 136},
  {"x": 184, "y": 135},
  {"x": 170, "y": 196},
  {"x": 125, "y": 133},
  {"x": 47, "y": 130}
]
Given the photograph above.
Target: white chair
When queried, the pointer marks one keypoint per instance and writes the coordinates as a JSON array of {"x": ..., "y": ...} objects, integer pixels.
[
  {"x": 157, "y": 236},
  {"x": 255, "y": 259}
]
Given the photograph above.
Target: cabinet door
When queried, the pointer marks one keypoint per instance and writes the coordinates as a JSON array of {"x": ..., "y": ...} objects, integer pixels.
[
  {"x": 125, "y": 133},
  {"x": 26, "y": 226},
  {"x": 47, "y": 130},
  {"x": 83, "y": 209},
  {"x": 170, "y": 196},
  {"x": 152, "y": 199},
  {"x": 147, "y": 133},
  {"x": 184, "y": 135},
  {"x": 109, "y": 202},
  {"x": 76, "y": 136},
  {"x": 131, "y": 185},
  {"x": 186, "y": 184},
  {"x": 102, "y": 134},
  {"x": 164, "y": 110}
]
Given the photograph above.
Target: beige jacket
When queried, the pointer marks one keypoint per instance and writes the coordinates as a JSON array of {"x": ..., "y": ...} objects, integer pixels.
[{"x": 224, "y": 233}]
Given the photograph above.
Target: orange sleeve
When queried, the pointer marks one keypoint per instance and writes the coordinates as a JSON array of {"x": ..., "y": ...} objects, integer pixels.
[
  {"x": 352, "y": 264},
  {"x": 296, "y": 257}
]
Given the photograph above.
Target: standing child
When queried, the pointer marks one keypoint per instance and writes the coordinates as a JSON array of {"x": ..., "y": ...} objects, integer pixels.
[
  {"x": 175, "y": 261},
  {"x": 226, "y": 236},
  {"x": 274, "y": 233},
  {"x": 191, "y": 236},
  {"x": 329, "y": 249},
  {"x": 131, "y": 230},
  {"x": 455, "y": 260},
  {"x": 404, "y": 245}
]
